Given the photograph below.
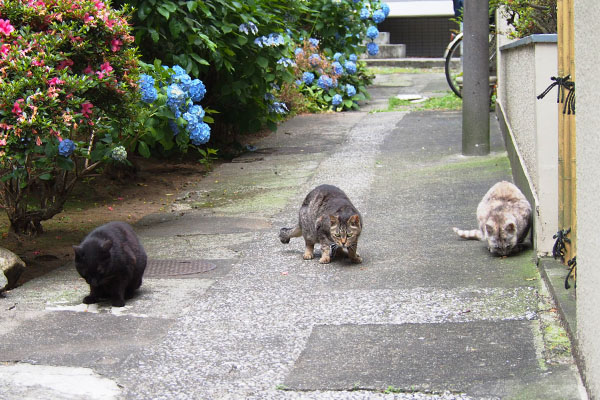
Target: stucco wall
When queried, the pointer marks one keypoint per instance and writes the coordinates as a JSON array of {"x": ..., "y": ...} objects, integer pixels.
[
  {"x": 587, "y": 81},
  {"x": 525, "y": 69}
]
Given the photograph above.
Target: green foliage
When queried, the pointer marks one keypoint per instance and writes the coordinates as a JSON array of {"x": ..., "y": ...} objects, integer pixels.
[
  {"x": 528, "y": 17},
  {"x": 242, "y": 51},
  {"x": 68, "y": 72}
]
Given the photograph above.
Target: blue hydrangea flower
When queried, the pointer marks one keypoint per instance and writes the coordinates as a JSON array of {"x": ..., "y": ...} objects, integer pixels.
[
  {"x": 298, "y": 51},
  {"x": 364, "y": 14},
  {"x": 353, "y": 57},
  {"x": 175, "y": 96},
  {"x": 272, "y": 40},
  {"x": 337, "y": 68},
  {"x": 149, "y": 93},
  {"x": 119, "y": 154},
  {"x": 286, "y": 62},
  {"x": 350, "y": 67},
  {"x": 249, "y": 27},
  {"x": 66, "y": 147},
  {"x": 378, "y": 16},
  {"x": 372, "y": 32},
  {"x": 314, "y": 60},
  {"x": 386, "y": 9},
  {"x": 197, "y": 110},
  {"x": 350, "y": 90},
  {"x": 200, "y": 134},
  {"x": 174, "y": 127},
  {"x": 308, "y": 77},
  {"x": 313, "y": 42},
  {"x": 178, "y": 70},
  {"x": 325, "y": 82},
  {"x": 337, "y": 56},
  {"x": 197, "y": 90},
  {"x": 191, "y": 119},
  {"x": 278, "y": 108},
  {"x": 372, "y": 48},
  {"x": 336, "y": 100}
]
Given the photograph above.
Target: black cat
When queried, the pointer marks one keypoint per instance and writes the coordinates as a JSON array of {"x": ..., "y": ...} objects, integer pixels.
[{"x": 112, "y": 261}]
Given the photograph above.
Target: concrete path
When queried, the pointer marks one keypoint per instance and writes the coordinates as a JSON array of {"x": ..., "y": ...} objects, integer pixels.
[{"x": 426, "y": 316}]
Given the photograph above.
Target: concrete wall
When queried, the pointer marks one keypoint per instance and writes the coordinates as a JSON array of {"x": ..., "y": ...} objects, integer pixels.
[
  {"x": 531, "y": 127},
  {"x": 587, "y": 83}
]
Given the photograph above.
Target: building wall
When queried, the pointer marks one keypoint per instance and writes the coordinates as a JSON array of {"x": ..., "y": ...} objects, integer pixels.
[
  {"x": 587, "y": 81},
  {"x": 423, "y": 36}
]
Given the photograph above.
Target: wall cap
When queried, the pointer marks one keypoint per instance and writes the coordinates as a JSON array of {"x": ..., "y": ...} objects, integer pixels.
[{"x": 532, "y": 39}]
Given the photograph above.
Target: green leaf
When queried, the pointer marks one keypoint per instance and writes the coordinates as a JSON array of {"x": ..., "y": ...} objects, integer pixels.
[
  {"x": 174, "y": 28},
  {"x": 263, "y": 62},
  {"x": 242, "y": 40},
  {"x": 192, "y": 5},
  {"x": 45, "y": 177},
  {"x": 64, "y": 163},
  {"x": 164, "y": 12},
  {"x": 144, "y": 11},
  {"x": 143, "y": 149}
]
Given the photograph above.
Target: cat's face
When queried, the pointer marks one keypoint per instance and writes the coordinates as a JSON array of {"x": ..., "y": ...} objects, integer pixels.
[
  {"x": 92, "y": 261},
  {"x": 501, "y": 238},
  {"x": 345, "y": 233}
]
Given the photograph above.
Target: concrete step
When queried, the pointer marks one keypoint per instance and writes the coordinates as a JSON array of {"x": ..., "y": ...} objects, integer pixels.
[
  {"x": 390, "y": 51},
  {"x": 411, "y": 62}
]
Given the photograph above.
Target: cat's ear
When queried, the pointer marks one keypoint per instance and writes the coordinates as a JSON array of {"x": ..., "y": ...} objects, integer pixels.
[
  {"x": 354, "y": 221},
  {"x": 106, "y": 245},
  {"x": 489, "y": 229},
  {"x": 333, "y": 219},
  {"x": 78, "y": 250}
]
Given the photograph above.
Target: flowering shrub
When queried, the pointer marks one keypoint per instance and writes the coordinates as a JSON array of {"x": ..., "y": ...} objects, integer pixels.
[
  {"x": 528, "y": 17},
  {"x": 68, "y": 72},
  {"x": 240, "y": 50},
  {"x": 171, "y": 115}
]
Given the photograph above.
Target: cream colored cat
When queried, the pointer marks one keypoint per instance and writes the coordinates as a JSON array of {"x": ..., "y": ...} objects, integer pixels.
[{"x": 504, "y": 217}]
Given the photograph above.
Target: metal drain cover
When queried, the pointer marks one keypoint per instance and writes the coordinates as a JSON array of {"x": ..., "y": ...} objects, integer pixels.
[{"x": 164, "y": 268}]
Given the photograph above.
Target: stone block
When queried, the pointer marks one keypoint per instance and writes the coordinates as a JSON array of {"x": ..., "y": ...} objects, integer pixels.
[{"x": 11, "y": 268}]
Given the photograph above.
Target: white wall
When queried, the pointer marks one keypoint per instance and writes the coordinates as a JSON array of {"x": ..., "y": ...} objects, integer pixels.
[{"x": 587, "y": 84}]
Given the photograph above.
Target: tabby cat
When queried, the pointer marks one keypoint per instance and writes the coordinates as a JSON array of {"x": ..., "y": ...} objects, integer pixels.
[
  {"x": 112, "y": 261},
  {"x": 504, "y": 217},
  {"x": 327, "y": 217}
]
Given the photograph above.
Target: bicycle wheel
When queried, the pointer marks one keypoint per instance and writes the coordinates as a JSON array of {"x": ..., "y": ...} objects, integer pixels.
[{"x": 453, "y": 65}]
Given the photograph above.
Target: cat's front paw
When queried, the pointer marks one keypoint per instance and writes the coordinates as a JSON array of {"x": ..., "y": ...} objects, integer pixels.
[
  {"x": 90, "y": 299},
  {"x": 325, "y": 260},
  {"x": 357, "y": 259},
  {"x": 308, "y": 256},
  {"x": 117, "y": 302}
]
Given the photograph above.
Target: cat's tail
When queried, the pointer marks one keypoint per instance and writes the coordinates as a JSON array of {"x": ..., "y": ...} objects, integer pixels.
[
  {"x": 285, "y": 234},
  {"x": 474, "y": 234}
]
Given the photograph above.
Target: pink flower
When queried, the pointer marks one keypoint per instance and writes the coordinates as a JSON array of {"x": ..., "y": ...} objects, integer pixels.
[
  {"x": 86, "y": 109},
  {"x": 17, "y": 107},
  {"x": 64, "y": 64},
  {"x": 106, "y": 67},
  {"x": 2, "y": 142},
  {"x": 55, "y": 81},
  {"x": 99, "y": 5},
  {"x": 5, "y": 49},
  {"x": 88, "y": 70},
  {"x": 115, "y": 45},
  {"x": 6, "y": 27},
  {"x": 87, "y": 18},
  {"x": 37, "y": 63},
  {"x": 38, "y": 141}
]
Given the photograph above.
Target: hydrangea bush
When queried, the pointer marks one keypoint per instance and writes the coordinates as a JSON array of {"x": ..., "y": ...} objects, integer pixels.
[
  {"x": 68, "y": 72},
  {"x": 171, "y": 113}
]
